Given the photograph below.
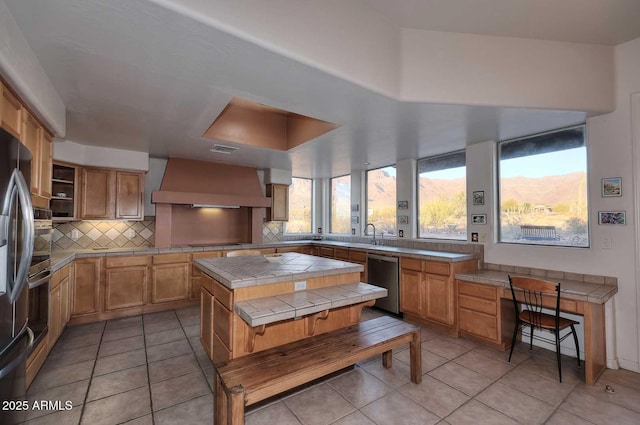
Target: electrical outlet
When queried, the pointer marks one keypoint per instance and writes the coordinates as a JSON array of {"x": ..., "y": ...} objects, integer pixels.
[
  {"x": 401, "y": 233},
  {"x": 483, "y": 237},
  {"x": 353, "y": 231},
  {"x": 130, "y": 233},
  {"x": 75, "y": 234},
  {"x": 300, "y": 286}
]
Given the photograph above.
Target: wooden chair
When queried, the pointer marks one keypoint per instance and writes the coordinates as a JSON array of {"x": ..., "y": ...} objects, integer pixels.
[
  {"x": 243, "y": 252},
  {"x": 530, "y": 296}
]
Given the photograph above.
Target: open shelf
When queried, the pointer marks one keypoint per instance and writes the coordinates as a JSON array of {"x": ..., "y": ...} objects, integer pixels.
[{"x": 63, "y": 182}]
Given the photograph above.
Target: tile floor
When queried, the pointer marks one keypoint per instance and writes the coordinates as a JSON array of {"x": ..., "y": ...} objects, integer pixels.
[{"x": 151, "y": 369}]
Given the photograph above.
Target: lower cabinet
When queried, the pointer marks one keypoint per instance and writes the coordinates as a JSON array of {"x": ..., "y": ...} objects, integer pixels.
[
  {"x": 483, "y": 314},
  {"x": 55, "y": 317},
  {"x": 86, "y": 286},
  {"x": 126, "y": 282},
  {"x": 411, "y": 292},
  {"x": 206, "y": 317},
  {"x": 170, "y": 278},
  {"x": 216, "y": 319},
  {"x": 196, "y": 274}
]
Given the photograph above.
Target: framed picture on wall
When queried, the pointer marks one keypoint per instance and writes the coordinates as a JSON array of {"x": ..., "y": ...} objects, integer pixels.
[
  {"x": 403, "y": 219},
  {"x": 479, "y": 219},
  {"x": 478, "y": 197},
  {"x": 403, "y": 205},
  {"x": 611, "y": 186},
  {"x": 612, "y": 217}
]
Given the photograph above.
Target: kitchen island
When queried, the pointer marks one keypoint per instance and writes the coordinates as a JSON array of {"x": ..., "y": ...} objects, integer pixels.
[{"x": 249, "y": 304}]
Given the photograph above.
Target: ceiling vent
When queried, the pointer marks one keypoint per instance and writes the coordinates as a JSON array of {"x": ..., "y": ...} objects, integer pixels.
[{"x": 223, "y": 149}]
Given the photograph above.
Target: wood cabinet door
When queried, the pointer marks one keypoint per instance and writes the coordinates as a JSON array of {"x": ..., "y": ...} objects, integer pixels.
[
  {"x": 126, "y": 287},
  {"x": 439, "y": 303},
  {"x": 279, "y": 194},
  {"x": 129, "y": 191},
  {"x": 46, "y": 164},
  {"x": 31, "y": 135},
  {"x": 65, "y": 307},
  {"x": 55, "y": 321},
  {"x": 86, "y": 286},
  {"x": 10, "y": 112},
  {"x": 206, "y": 321},
  {"x": 170, "y": 282},
  {"x": 96, "y": 193},
  {"x": 411, "y": 292}
]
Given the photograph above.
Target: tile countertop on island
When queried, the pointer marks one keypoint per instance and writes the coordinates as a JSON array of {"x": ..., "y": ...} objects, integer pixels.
[
  {"x": 240, "y": 272},
  {"x": 597, "y": 293},
  {"x": 61, "y": 258}
]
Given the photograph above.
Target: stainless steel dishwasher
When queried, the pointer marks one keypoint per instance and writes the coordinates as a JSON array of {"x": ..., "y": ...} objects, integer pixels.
[{"x": 383, "y": 271}]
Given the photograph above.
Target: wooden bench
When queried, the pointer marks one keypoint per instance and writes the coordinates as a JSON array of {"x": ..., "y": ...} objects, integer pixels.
[
  {"x": 247, "y": 380},
  {"x": 538, "y": 233}
]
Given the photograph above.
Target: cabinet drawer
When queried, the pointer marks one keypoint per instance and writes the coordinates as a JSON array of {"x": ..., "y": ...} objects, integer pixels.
[
  {"x": 478, "y": 304},
  {"x": 220, "y": 352},
  {"x": 342, "y": 254},
  {"x": 170, "y": 258},
  {"x": 436, "y": 267},
  {"x": 411, "y": 264},
  {"x": 139, "y": 260},
  {"x": 358, "y": 256},
  {"x": 223, "y": 319},
  {"x": 478, "y": 324},
  {"x": 222, "y": 294},
  {"x": 326, "y": 252},
  {"x": 207, "y": 254},
  {"x": 478, "y": 291},
  {"x": 288, "y": 249},
  {"x": 206, "y": 283}
]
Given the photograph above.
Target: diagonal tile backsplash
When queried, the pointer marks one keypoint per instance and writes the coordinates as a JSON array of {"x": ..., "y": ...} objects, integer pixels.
[{"x": 98, "y": 234}]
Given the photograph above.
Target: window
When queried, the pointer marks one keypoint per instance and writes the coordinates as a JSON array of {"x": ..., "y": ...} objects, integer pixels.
[
  {"x": 543, "y": 189},
  {"x": 300, "y": 206},
  {"x": 442, "y": 197},
  {"x": 341, "y": 204},
  {"x": 381, "y": 199}
]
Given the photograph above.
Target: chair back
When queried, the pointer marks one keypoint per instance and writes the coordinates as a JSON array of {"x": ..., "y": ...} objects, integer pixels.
[
  {"x": 530, "y": 295},
  {"x": 243, "y": 253}
]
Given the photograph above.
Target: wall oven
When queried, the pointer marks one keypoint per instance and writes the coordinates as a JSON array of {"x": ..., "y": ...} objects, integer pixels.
[{"x": 40, "y": 274}]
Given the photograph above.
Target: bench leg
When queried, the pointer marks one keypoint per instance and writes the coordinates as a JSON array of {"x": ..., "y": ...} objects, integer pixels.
[
  {"x": 415, "y": 352},
  {"x": 219, "y": 403},
  {"x": 236, "y": 406},
  {"x": 387, "y": 359}
]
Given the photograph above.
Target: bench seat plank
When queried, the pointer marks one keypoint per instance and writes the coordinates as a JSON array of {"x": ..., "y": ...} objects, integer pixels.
[{"x": 273, "y": 371}]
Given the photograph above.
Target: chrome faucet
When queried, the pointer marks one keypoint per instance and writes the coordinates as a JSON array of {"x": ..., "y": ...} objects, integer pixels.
[{"x": 374, "y": 231}]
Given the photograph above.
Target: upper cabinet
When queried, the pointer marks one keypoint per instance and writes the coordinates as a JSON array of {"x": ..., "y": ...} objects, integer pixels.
[
  {"x": 10, "y": 112},
  {"x": 279, "y": 210},
  {"x": 63, "y": 201},
  {"x": 110, "y": 194}
]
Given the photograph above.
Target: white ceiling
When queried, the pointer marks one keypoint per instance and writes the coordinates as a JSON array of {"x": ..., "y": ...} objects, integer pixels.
[{"x": 134, "y": 75}]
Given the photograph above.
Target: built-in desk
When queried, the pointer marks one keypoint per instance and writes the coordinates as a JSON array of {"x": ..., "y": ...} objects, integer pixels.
[{"x": 485, "y": 312}]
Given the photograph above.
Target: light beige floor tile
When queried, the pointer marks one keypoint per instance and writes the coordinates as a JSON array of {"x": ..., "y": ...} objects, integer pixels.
[
  {"x": 562, "y": 417},
  {"x": 519, "y": 406},
  {"x": 476, "y": 413},
  {"x": 65, "y": 417},
  {"x": 123, "y": 322},
  {"x": 428, "y": 334},
  {"x": 192, "y": 331},
  {"x": 623, "y": 396},
  {"x": 430, "y": 360},
  {"x": 117, "y": 408},
  {"x": 544, "y": 366},
  {"x": 120, "y": 333},
  {"x": 164, "y": 337},
  {"x": 61, "y": 376},
  {"x": 177, "y": 390},
  {"x": 188, "y": 311},
  {"x": 83, "y": 329},
  {"x": 621, "y": 377},
  {"x": 171, "y": 349},
  {"x": 396, "y": 376},
  {"x": 598, "y": 411},
  {"x": 189, "y": 320},
  {"x": 173, "y": 367},
  {"x": 74, "y": 392},
  {"x": 276, "y": 413},
  {"x": 355, "y": 418},
  {"x": 360, "y": 387},
  {"x": 160, "y": 316},
  {"x": 397, "y": 409},
  {"x": 59, "y": 358},
  {"x": 144, "y": 420},
  {"x": 461, "y": 378},
  {"x": 483, "y": 364},
  {"x": 444, "y": 347},
  {"x": 198, "y": 411},
  {"x": 121, "y": 346},
  {"x": 118, "y": 382},
  {"x": 520, "y": 354},
  {"x": 120, "y": 361},
  {"x": 435, "y": 396},
  {"x": 545, "y": 389},
  {"x": 78, "y": 341},
  {"x": 319, "y": 405},
  {"x": 164, "y": 325}
]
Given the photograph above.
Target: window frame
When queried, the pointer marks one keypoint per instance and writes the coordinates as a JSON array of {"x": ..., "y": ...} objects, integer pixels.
[
  {"x": 331, "y": 179},
  {"x": 417, "y": 200},
  {"x": 313, "y": 183},
  {"x": 366, "y": 194},
  {"x": 498, "y": 220}
]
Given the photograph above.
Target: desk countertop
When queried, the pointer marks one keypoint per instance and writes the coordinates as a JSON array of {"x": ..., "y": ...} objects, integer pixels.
[
  {"x": 240, "y": 272},
  {"x": 597, "y": 293}
]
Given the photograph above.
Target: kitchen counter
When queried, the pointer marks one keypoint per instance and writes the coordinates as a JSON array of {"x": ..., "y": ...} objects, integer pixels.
[{"x": 241, "y": 272}]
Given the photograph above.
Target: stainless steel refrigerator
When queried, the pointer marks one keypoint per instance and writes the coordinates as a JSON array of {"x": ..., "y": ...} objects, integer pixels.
[{"x": 16, "y": 249}]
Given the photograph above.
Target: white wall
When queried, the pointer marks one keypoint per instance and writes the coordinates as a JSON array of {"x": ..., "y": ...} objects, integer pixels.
[
  {"x": 485, "y": 70},
  {"x": 406, "y": 175},
  {"x": 21, "y": 69},
  {"x": 152, "y": 182},
  {"x": 64, "y": 150}
]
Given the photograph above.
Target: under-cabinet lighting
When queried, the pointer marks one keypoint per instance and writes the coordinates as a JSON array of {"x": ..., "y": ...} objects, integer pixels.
[{"x": 213, "y": 206}]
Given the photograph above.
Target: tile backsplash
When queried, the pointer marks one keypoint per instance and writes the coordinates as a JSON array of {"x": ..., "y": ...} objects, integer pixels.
[
  {"x": 272, "y": 231},
  {"x": 77, "y": 235}
]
